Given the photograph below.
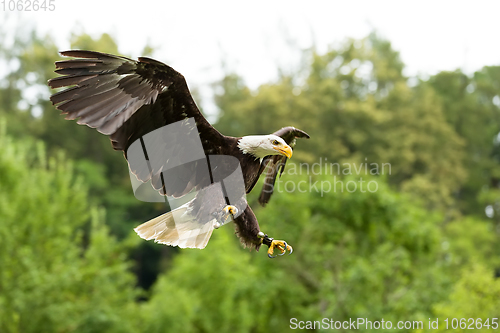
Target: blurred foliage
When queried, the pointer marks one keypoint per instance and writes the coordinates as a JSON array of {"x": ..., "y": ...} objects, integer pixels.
[
  {"x": 358, "y": 104},
  {"x": 61, "y": 270},
  {"x": 418, "y": 247},
  {"x": 382, "y": 259},
  {"x": 476, "y": 295},
  {"x": 26, "y": 106}
]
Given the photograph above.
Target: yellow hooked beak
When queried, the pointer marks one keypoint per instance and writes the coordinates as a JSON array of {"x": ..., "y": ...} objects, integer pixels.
[{"x": 286, "y": 150}]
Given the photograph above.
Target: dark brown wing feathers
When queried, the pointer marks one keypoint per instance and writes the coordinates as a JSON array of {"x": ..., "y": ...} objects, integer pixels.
[
  {"x": 110, "y": 90},
  {"x": 127, "y": 99}
]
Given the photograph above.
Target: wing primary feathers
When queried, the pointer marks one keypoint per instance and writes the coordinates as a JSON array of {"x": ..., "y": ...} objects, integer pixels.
[
  {"x": 64, "y": 81},
  {"x": 82, "y": 92},
  {"x": 76, "y": 63}
]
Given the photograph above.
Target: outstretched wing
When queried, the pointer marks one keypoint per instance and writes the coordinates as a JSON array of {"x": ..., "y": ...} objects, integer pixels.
[
  {"x": 276, "y": 164},
  {"x": 125, "y": 98},
  {"x": 128, "y": 99}
]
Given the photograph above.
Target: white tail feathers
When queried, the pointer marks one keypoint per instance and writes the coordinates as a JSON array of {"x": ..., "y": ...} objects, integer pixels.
[{"x": 177, "y": 228}]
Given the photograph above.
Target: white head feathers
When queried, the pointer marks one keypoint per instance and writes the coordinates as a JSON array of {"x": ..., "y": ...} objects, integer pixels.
[{"x": 261, "y": 146}]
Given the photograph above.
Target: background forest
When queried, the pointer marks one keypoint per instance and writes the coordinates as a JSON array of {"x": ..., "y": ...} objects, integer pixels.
[{"x": 424, "y": 245}]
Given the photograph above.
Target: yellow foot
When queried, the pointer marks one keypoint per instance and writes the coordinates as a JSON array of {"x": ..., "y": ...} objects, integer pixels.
[
  {"x": 281, "y": 245},
  {"x": 230, "y": 210},
  {"x": 227, "y": 212}
]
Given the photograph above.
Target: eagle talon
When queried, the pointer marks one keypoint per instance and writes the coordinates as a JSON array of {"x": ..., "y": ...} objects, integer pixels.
[
  {"x": 224, "y": 215},
  {"x": 281, "y": 245},
  {"x": 230, "y": 210},
  {"x": 285, "y": 245}
]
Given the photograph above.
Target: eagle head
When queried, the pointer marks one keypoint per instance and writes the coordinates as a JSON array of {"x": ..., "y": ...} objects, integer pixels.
[{"x": 261, "y": 146}]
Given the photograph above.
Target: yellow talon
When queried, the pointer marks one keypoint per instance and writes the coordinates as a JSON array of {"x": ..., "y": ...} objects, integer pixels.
[
  {"x": 281, "y": 245},
  {"x": 223, "y": 217},
  {"x": 230, "y": 210}
]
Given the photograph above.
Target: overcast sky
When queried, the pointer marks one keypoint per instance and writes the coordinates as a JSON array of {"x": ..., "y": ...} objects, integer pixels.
[{"x": 254, "y": 38}]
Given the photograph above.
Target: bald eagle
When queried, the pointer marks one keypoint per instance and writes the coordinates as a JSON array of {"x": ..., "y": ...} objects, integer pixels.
[{"x": 129, "y": 100}]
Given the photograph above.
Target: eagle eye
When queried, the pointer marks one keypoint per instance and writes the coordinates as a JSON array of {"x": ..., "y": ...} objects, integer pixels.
[{"x": 276, "y": 142}]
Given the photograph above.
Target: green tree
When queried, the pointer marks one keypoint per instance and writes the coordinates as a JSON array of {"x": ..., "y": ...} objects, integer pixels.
[
  {"x": 468, "y": 104},
  {"x": 59, "y": 272},
  {"x": 358, "y": 107},
  {"x": 368, "y": 255},
  {"x": 476, "y": 295},
  {"x": 25, "y": 103}
]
